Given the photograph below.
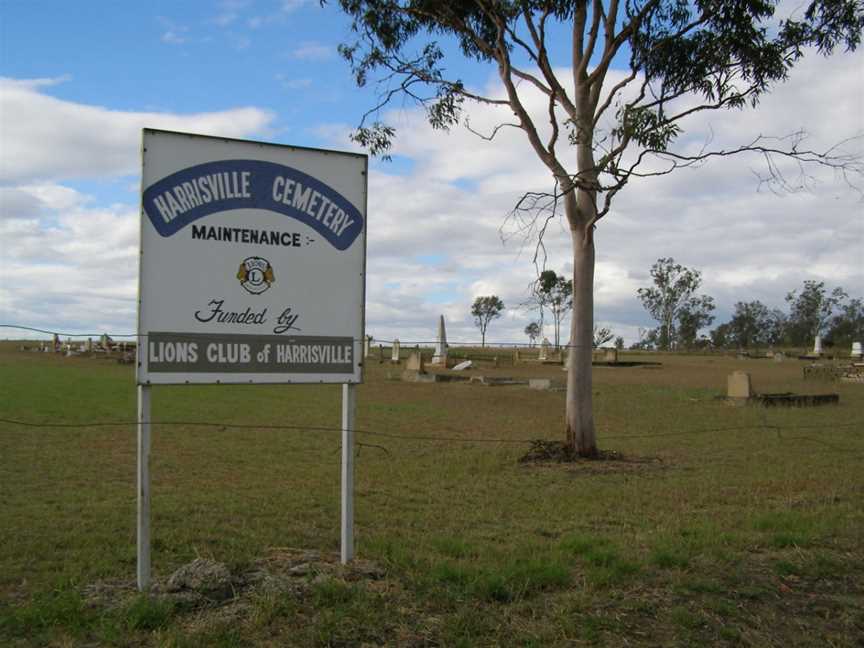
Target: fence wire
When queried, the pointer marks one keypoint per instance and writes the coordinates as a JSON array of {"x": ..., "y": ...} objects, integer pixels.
[
  {"x": 439, "y": 438},
  {"x": 372, "y": 340}
]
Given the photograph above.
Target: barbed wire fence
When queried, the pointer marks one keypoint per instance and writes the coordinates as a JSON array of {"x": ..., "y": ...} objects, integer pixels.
[
  {"x": 439, "y": 438},
  {"x": 404, "y": 343}
]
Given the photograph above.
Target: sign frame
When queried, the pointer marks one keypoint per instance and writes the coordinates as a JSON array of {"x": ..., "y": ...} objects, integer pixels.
[{"x": 300, "y": 347}]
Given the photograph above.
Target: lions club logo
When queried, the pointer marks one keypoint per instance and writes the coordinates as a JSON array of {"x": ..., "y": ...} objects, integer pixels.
[{"x": 255, "y": 275}]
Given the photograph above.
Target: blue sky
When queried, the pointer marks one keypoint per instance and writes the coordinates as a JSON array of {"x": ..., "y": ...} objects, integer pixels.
[{"x": 81, "y": 79}]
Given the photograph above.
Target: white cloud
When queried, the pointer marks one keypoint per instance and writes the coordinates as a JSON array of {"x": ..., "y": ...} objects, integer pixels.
[
  {"x": 293, "y": 84},
  {"x": 748, "y": 243},
  {"x": 45, "y": 138},
  {"x": 172, "y": 37},
  {"x": 74, "y": 269},
  {"x": 433, "y": 232},
  {"x": 65, "y": 262},
  {"x": 174, "y": 34},
  {"x": 229, "y": 12},
  {"x": 313, "y": 51},
  {"x": 290, "y": 6}
]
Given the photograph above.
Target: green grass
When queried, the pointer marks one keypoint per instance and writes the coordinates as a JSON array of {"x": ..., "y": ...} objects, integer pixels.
[{"x": 728, "y": 522}]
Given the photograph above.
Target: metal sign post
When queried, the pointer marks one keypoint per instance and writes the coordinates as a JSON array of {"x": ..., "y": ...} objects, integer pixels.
[
  {"x": 143, "y": 487},
  {"x": 347, "y": 531}
]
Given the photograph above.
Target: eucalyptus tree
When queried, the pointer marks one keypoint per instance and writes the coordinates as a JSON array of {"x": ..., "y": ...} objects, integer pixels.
[
  {"x": 533, "y": 332},
  {"x": 751, "y": 324},
  {"x": 555, "y": 292},
  {"x": 673, "y": 302},
  {"x": 811, "y": 310},
  {"x": 601, "y": 335},
  {"x": 619, "y": 80},
  {"x": 484, "y": 310}
]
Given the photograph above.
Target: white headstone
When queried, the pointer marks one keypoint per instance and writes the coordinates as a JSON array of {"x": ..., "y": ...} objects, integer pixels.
[
  {"x": 817, "y": 345},
  {"x": 467, "y": 364},
  {"x": 440, "y": 356},
  {"x": 856, "y": 350},
  {"x": 394, "y": 356},
  {"x": 544, "y": 349}
]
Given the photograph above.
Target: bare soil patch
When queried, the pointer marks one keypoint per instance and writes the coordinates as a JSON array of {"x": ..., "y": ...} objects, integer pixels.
[{"x": 556, "y": 453}]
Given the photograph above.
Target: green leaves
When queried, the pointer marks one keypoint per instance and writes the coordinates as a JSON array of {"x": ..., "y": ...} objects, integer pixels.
[
  {"x": 378, "y": 138},
  {"x": 646, "y": 127}
]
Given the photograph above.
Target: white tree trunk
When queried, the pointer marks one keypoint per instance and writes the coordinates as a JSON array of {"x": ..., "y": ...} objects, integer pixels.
[{"x": 579, "y": 413}]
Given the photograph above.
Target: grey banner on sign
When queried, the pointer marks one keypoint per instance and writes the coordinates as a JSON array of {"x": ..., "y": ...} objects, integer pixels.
[{"x": 254, "y": 354}]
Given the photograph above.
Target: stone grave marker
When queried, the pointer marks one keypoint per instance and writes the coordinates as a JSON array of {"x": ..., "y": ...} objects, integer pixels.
[
  {"x": 440, "y": 355},
  {"x": 738, "y": 385},
  {"x": 415, "y": 362},
  {"x": 544, "y": 349},
  {"x": 394, "y": 355}
]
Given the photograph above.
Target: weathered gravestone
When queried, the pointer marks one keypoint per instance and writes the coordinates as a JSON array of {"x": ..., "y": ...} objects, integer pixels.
[
  {"x": 857, "y": 352},
  {"x": 544, "y": 349},
  {"x": 415, "y": 362},
  {"x": 394, "y": 354},
  {"x": 440, "y": 355},
  {"x": 738, "y": 385}
]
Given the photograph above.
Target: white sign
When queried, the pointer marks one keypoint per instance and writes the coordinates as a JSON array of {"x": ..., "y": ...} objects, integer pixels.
[{"x": 252, "y": 262}]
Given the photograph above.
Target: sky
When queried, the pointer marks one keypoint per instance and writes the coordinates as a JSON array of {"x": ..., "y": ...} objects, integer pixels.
[{"x": 78, "y": 82}]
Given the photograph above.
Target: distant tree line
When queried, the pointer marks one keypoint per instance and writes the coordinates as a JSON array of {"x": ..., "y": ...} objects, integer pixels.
[{"x": 683, "y": 315}]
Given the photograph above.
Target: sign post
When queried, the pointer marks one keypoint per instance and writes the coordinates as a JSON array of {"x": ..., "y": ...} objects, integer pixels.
[
  {"x": 347, "y": 536},
  {"x": 252, "y": 270},
  {"x": 143, "y": 487}
]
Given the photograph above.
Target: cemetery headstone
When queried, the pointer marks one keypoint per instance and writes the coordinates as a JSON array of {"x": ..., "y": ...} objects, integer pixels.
[
  {"x": 738, "y": 385},
  {"x": 415, "y": 362},
  {"x": 440, "y": 356},
  {"x": 394, "y": 354},
  {"x": 857, "y": 352},
  {"x": 467, "y": 364},
  {"x": 817, "y": 345},
  {"x": 544, "y": 349}
]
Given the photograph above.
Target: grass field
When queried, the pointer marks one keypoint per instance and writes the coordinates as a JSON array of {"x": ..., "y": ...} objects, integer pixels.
[{"x": 718, "y": 525}]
